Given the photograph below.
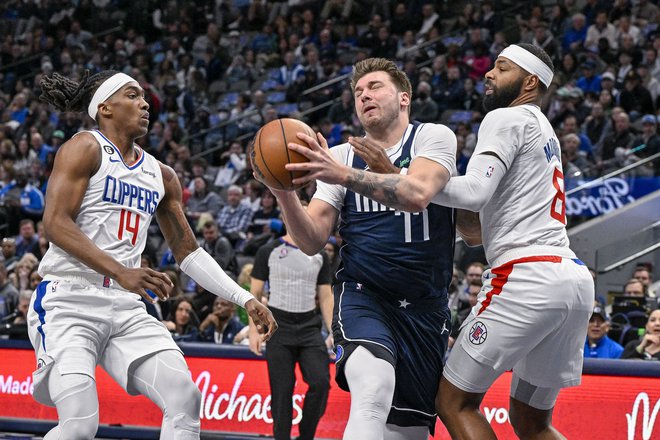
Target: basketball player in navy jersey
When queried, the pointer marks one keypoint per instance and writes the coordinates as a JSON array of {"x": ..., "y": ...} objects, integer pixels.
[
  {"x": 102, "y": 194},
  {"x": 391, "y": 322}
]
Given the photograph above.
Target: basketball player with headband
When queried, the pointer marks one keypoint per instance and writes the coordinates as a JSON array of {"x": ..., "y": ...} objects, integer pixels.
[
  {"x": 533, "y": 310},
  {"x": 102, "y": 194}
]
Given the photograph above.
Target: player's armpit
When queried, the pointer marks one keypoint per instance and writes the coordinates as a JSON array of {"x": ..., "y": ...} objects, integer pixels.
[
  {"x": 469, "y": 227},
  {"x": 172, "y": 219}
]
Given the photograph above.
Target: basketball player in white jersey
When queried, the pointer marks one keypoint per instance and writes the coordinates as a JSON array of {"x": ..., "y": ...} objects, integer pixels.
[
  {"x": 102, "y": 194},
  {"x": 534, "y": 308}
]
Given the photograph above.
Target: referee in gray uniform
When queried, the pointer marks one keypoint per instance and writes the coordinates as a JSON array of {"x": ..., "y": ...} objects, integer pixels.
[{"x": 295, "y": 280}]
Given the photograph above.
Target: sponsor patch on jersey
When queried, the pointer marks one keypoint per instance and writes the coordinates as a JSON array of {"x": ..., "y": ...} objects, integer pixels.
[
  {"x": 478, "y": 333},
  {"x": 149, "y": 173},
  {"x": 339, "y": 353},
  {"x": 108, "y": 149},
  {"x": 489, "y": 171}
]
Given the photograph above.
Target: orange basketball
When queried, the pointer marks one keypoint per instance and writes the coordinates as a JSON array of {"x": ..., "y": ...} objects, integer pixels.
[{"x": 269, "y": 152}]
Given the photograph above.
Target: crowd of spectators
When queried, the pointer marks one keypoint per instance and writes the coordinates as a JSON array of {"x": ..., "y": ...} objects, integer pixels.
[{"x": 214, "y": 71}]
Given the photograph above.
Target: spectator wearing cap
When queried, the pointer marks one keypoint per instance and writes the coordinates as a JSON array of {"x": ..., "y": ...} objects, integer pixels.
[
  {"x": 634, "y": 98},
  {"x": 601, "y": 29},
  {"x": 598, "y": 344},
  {"x": 607, "y": 81},
  {"x": 589, "y": 81},
  {"x": 625, "y": 66}
]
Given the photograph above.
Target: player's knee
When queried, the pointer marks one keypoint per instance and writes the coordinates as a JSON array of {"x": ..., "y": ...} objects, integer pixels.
[
  {"x": 528, "y": 424},
  {"x": 83, "y": 428},
  {"x": 374, "y": 399},
  {"x": 186, "y": 397}
]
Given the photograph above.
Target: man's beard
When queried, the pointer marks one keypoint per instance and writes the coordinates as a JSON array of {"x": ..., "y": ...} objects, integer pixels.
[{"x": 502, "y": 97}]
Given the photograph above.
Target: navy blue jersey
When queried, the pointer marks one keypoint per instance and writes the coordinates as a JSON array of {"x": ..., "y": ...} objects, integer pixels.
[{"x": 394, "y": 252}]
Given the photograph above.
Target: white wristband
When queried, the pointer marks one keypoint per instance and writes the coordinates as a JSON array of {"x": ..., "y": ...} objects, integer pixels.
[{"x": 202, "y": 268}]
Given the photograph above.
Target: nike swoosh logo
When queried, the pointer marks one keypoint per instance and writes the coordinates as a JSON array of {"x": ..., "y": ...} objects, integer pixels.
[{"x": 114, "y": 160}]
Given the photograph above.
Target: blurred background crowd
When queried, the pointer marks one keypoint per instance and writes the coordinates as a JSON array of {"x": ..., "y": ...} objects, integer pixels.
[{"x": 214, "y": 71}]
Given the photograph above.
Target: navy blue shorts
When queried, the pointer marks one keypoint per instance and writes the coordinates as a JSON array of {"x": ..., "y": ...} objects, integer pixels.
[{"x": 411, "y": 336}]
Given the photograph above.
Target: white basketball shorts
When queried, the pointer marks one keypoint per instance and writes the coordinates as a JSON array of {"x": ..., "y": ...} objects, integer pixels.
[
  {"x": 531, "y": 317},
  {"x": 77, "y": 323}
]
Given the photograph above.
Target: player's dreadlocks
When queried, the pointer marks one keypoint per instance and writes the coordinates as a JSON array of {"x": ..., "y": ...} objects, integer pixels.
[{"x": 68, "y": 95}]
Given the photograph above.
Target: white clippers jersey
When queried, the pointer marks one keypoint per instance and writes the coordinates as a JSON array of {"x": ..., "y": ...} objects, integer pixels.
[
  {"x": 528, "y": 206},
  {"x": 115, "y": 212}
]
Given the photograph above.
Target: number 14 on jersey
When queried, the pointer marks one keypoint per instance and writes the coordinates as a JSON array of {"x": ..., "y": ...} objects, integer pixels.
[{"x": 129, "y": 222}]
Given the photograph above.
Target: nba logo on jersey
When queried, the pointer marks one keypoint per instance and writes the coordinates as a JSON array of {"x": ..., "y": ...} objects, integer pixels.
[
  {"x": 489, "y": 171},
  {"x": 106, "y": 281}
]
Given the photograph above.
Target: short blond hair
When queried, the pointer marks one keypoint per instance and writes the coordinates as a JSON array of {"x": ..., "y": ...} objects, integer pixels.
[{"x": 369, "y": 65}]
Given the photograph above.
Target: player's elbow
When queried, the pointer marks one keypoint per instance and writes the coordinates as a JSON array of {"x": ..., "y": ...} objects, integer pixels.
[
  {"x": 311, "y": 249},
  {"x": 417, "y": 202}
]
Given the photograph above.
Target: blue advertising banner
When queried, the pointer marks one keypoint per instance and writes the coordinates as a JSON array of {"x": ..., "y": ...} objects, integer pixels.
[{"x": 607, "y": 195}]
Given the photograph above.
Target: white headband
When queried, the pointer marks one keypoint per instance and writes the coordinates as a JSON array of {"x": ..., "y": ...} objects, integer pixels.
[
  {"x": 106, "y": 90},
  {"x": 529, "y": 62}
]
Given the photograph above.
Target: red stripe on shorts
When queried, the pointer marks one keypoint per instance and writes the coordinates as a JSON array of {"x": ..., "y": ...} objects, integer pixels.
[{"x": 502, "y": 275}]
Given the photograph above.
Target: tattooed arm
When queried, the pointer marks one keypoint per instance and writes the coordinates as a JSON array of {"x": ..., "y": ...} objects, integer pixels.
[
  {"x": 197, "y": 263},
  {"x": 172, "y": 219},
  {"x": 411, "y": 192},
  {"x": 408, "y": 191}
]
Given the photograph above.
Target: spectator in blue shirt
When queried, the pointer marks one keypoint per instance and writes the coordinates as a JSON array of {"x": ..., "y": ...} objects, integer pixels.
[
  {"x": 575, "y": 35},
  {"x": 235, "y": 217},
  {"x": 589, "y": 81},
  {"x": 22, "y": 199},
  {"x": 598, "y": 344}
]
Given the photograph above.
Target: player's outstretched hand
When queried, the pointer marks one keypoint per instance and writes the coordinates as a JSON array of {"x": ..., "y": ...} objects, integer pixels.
[
  {"x": 262, "y": 318},
  {"x": 373, "y": 155},
  {"x": 322, "y": 164},
  {"x": 146, "y": 282}
]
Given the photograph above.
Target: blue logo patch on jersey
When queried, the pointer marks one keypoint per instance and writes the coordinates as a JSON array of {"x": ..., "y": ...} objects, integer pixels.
[{"x": 339, "y": 353}]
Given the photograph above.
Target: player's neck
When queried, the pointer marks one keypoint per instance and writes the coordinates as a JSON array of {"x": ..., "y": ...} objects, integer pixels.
[
  {"x": 527, "y": 98},
  {"x": 124, "y": 143},
  {"x": 388, "y": 136}
]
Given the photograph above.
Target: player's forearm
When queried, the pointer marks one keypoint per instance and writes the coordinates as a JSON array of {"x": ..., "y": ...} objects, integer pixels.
[
  {"x": 326, "y": 304},
  {"x": 64, "y": 233},
  {"x": 474, "y": 190},
  {"x": 394, "y": 190},
  {"x": 308, "y": 235}
]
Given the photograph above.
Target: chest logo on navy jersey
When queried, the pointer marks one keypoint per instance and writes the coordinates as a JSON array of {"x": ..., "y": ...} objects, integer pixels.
[
  {"x": 478, "y": 333},
  {"x": 108, "y": 149}
]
